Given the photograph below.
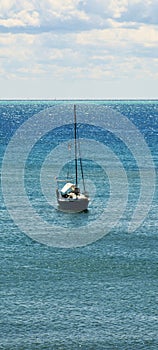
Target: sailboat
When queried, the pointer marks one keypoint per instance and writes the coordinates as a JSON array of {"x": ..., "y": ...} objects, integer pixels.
[{"x": 70, "y": 198}]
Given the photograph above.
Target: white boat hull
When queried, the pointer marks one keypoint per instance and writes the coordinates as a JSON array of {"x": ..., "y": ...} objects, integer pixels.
[{"x": 72, "y": 205}]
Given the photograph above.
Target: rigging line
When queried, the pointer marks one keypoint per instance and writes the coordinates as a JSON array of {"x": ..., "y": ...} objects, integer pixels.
[
  {"x": 75, "y": 132},
  {"x": 68, "y": 171},
  {"x": 81, "y": 165}
]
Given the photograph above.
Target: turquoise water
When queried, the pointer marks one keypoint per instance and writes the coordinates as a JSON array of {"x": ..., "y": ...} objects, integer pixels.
[{"x": 101, "y": 295}]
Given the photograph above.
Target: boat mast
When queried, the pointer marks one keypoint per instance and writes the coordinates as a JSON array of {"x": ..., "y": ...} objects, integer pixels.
[{"x": 75, "y": 132}]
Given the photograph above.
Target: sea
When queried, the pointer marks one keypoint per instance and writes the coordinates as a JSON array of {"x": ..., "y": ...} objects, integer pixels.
[{"x": 88, "y": 280}]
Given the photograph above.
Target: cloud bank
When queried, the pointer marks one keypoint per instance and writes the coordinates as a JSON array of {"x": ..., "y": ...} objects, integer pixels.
[{"x": 88, "y": 39}]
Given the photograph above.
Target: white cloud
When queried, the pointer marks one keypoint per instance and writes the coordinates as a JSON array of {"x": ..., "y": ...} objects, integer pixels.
[
  {"x": 73, "y": 15},
  {"x": 108, "y": 8},
  {"x": 89, "y": 39},
  {"x": 119, "y": 37},
  {"x": 22, "y": 19}
]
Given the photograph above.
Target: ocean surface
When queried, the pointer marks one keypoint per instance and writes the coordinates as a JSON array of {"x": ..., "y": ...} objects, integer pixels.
[{"x": 79, "y": 281}]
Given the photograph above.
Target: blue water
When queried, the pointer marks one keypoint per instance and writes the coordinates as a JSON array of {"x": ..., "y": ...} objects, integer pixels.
[{"x": 101, "y": 295}]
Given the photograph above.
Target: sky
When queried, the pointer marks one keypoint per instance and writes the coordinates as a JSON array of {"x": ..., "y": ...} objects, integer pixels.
[{"x": 78, "y": 49}]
